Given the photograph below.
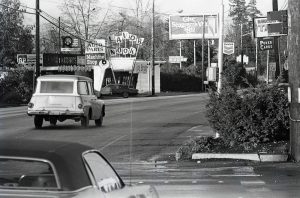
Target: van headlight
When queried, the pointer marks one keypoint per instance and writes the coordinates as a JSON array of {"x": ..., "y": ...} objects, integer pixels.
[
  {"x": 30, "y": 105},
  {"x": 80, "y": 106}
]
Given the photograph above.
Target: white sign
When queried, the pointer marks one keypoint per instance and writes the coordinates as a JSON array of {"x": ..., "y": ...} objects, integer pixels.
[
  {"x": 260, "y": 27},
  {"x": 192, "y": 26},
  {"x": 228, "y": 48},
  {"x": 245, "y": 59},
  {"x": 70, "y": 49},
  {"x": 177, "y": 59},
  {"x": 96, "y": 46}
]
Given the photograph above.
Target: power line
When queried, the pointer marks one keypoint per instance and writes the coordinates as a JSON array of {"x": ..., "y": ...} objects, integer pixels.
[{"x": 24, "y": 11}]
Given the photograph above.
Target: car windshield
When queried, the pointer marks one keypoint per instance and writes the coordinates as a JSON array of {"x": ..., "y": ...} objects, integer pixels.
[
  {"x": 56, "y": 87},
  {"x": 21, "y": 173}
]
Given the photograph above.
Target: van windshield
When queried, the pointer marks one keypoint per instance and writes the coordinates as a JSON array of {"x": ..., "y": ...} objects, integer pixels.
[{"x": 56, "y": 87}]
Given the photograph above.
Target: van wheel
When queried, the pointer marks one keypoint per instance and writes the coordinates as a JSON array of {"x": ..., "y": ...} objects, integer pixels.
[
  {"x": 38, "y": 122},
  {"x": 53, "y": 121},
  {"x": 125, "y": 95},
  {"x": 85, "y": 121},
  {"x": 99, "y": 121}
]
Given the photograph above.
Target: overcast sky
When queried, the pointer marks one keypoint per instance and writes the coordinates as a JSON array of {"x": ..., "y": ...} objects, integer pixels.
[{"x": 162, "y": 6}]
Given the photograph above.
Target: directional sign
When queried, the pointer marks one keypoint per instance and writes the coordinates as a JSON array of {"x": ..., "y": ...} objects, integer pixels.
[
  {"x": 228, "y": 48},
  {"x": 266, "y": 43}
]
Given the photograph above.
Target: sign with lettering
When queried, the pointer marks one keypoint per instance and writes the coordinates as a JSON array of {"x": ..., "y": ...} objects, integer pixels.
[
  {"x": 96, "y": 46},
  {"x": 265, "y": 43},
  {"x": 193, "y": 26},
  {"x": 28, "y": 59},
  {"x": 95, "y": 52}
]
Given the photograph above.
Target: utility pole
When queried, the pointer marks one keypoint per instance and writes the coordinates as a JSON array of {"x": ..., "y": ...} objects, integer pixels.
[
  {"x": 220, "y": 53},
  {"x": 59, "y": 43},
  {"x": 276, "y": 43},
  {"x": 294, "y": 74},
  {"x": 202, "y": 61},
  {"x": 242, "y": 52},
  {"x": 153, "y": 52},
  {"x": 37, "y": 39}
]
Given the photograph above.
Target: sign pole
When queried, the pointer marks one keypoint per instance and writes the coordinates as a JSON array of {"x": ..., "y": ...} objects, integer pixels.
[
  {"x": 195, "y": 53},
  {"x": 180, "y": 54},
  {"x": 202, "y": 61},
  {"x": 268, "y": 57},
  {"x": 256, "y": 57},
  {"x": 208, "y": 53}
]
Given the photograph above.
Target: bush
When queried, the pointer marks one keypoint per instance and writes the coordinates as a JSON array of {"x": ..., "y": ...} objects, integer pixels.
[
  {"x": 16, "y": 87},
  {"x": 255, "y": 116}
]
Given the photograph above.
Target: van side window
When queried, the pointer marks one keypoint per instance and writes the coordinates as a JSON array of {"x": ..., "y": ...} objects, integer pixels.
[
  {"x": 91, "y": 89},
  {"x": 82, "y": 88}
]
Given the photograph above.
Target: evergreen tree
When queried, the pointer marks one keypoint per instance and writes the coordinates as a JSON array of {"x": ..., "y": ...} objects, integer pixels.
[{"x": 15, "y": 38}]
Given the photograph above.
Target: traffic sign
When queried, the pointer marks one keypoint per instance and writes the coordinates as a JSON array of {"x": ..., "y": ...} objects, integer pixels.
[
  {"x": 228, "y": 48},
  {"x": 266, "y": 43}
]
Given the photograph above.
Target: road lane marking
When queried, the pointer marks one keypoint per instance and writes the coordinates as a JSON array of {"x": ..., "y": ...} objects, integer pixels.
[
  {"x": 112, "y": 142},
  {"x": 12, "y": 115},
  {"x": 253, "y": 183}
]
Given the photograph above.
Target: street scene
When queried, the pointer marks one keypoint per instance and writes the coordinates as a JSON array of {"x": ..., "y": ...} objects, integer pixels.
[{"x": 149, "y": 98}]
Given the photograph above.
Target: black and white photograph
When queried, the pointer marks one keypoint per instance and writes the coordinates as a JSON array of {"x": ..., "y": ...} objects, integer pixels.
[{"x": 149, "y": 98}]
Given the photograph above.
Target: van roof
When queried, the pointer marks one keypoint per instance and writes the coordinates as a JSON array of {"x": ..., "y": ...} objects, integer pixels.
[{"x": 70, "y": 77}]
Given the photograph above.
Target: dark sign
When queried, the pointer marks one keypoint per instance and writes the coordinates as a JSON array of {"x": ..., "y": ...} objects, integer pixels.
[
  {"x": 62, "y": 59},
  {"x": 265, "y": 43},
  {"x": 278, "y": 23}
]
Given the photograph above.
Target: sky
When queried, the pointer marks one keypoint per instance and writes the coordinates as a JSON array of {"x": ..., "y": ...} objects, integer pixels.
[{"x": 161, "y": 6}]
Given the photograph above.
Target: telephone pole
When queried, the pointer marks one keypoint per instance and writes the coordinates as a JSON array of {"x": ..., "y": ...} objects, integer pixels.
[
  {"x": 37, "y": 40},
  {"x": 294, "y": 80},
  {"x": 153, "y": 52},
  {"x": 276, "y": 43}
]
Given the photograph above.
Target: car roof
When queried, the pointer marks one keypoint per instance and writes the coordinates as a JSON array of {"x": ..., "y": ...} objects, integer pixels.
[
  {"x": 64, "y": 77},
  {"x": 65, "y": 156}
]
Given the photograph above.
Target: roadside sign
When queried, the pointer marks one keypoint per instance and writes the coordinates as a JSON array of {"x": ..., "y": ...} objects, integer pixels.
[
  {"x": 70, "y": 44},
  {"x": 177, "y": 59},
  {"x": 265, "y": 43},
  {"x": 228, "y": 48},
  {"x": 95, "y": 52},
  {"x": 96, "y": 46},
  {"x": 28, "y": 59},
  {"x": 277, "y": 23}
]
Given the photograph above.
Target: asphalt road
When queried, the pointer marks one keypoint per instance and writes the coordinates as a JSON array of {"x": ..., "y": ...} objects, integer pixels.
[{"x": 140, "y": 137}]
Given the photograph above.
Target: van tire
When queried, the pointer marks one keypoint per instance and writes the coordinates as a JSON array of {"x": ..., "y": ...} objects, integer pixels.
[
  {"x": 85, "y": 121},
  {"x": 38, "y": 121},
  {"x": 99, "y": 121}
]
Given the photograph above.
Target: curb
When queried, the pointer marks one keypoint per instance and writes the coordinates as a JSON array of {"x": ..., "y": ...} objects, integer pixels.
[{"x": 242, "y": 156}]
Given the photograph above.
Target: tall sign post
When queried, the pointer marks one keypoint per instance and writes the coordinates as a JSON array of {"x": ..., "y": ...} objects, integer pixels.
[{"x": 294, "y": 80}]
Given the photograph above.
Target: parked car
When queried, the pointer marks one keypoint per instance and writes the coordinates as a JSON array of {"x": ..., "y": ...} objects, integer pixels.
[
  {"x": 118, "y": 89},
  {"x": 43, "y": 168},
  {"x": 62, "y": 97}
]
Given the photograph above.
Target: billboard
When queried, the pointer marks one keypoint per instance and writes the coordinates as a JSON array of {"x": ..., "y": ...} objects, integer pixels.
[{"x": 191, "y": 27}]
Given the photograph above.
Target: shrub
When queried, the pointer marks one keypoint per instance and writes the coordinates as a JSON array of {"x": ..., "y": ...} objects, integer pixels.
[
  {"x": 16, "y": 87},
  {"x": 251, "y": 117}
]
